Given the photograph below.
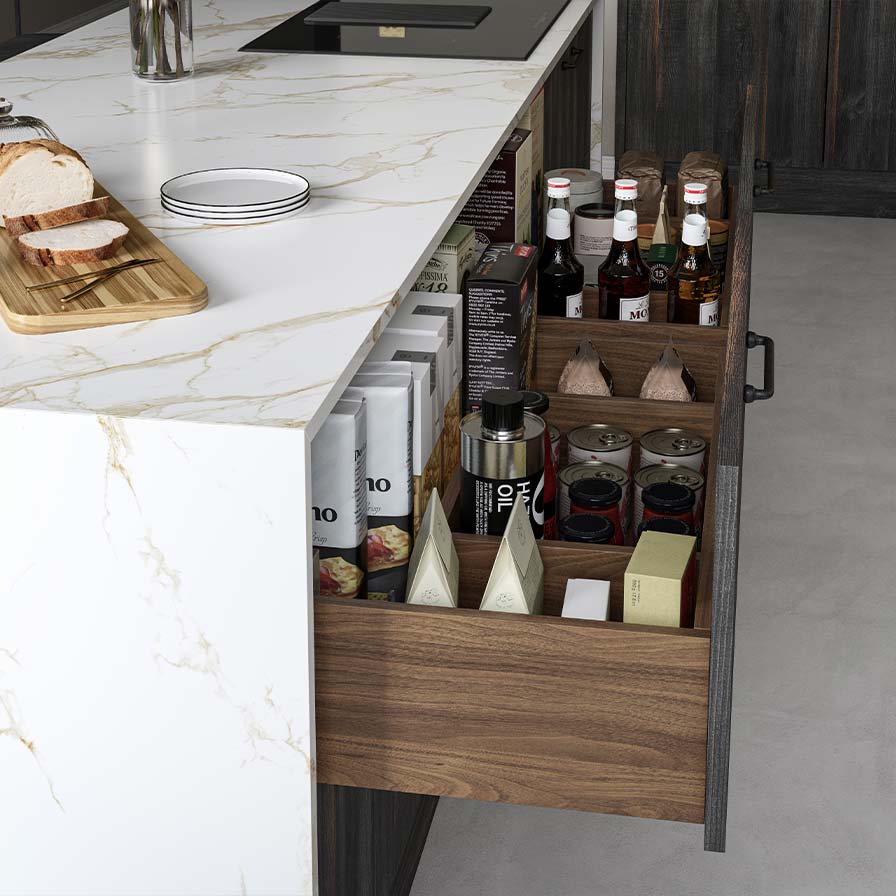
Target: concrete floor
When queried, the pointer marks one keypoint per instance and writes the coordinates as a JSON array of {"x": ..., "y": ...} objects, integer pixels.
[{"x": 812, "y": 805}]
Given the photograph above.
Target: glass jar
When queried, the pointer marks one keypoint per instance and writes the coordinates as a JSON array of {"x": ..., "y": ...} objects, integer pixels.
[{"x": 162, "y": 39}]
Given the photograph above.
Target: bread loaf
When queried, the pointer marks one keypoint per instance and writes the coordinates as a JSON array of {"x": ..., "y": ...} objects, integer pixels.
[
  {"x": 73, "y": 244},
  {"x": 39, "y": 176}
]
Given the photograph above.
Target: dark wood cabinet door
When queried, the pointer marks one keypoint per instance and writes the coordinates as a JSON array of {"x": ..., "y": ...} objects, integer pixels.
[{"x": 826, "y": 109}]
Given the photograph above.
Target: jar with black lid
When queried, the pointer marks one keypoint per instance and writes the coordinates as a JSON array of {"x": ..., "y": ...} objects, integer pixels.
[
  {"x": 669, "y": 500},
  {"x": 598, "y": 496},
  {"x": 587, "y": 528},
  {"x": 669, "y": 524}
]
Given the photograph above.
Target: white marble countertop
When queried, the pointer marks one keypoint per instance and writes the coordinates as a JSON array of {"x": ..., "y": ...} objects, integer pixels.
[{"x": 393, "y": 147}]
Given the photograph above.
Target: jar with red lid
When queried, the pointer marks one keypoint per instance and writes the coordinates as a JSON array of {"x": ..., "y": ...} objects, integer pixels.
[
  {"x": 670, "y": 500},
  {"x": 587, "y": 528},
  {"x": 601, "y": 497}
]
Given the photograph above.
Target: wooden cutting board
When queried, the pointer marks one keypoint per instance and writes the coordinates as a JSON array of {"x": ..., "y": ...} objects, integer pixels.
[{"x": 159, "y": 290}]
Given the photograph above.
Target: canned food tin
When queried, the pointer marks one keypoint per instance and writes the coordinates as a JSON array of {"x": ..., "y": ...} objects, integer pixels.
[
  {"x": 673, "y": 446},
  {"x": 554, "y": 434},
  {"x": 594, "y": 469},
  {"x": 668, "y": 473},
  {"x": 599, "y": 441}
]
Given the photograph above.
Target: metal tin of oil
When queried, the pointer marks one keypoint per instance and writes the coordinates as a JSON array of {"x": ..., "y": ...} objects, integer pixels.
[
  {"x": 676, "y": 473},
  {"x": 598, "y": 470},
  {"x": 600, "y": 441},
  {"x": 673, "y": 446}
]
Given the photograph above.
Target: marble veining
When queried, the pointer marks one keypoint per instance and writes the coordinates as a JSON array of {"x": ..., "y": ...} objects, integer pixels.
[{"x": 392, "y": 148}]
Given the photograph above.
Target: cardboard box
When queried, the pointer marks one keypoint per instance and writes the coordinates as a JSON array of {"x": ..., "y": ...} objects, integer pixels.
[
  {"x": 500, "y": 208},
  {"x": 339, "y": 500},
  {"x": 499, "y": 322},
  {"x": 516, "y": 582},
  {"x": 455, "y": 257},
  {"x": 390, "y": 497},
  {"x": 434, "y": 571},
  {"x": 533, "y": 121},
  {"x": 586, "y": 599},
  {"x": 660, "y": 581},
  {"x": 451, "y": 307}
]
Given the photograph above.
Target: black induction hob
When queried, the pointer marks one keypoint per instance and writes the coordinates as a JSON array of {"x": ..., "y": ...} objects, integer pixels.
[{"x": 490, "y": 29}]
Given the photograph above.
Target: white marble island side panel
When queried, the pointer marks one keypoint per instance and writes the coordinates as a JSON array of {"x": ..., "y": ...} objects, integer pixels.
[{"x": 155, "y": 686}]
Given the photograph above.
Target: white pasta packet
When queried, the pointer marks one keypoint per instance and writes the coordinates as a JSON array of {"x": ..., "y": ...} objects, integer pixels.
[
  {"x": 669, "y": 379},
  {"x": 585, "y": 373}
]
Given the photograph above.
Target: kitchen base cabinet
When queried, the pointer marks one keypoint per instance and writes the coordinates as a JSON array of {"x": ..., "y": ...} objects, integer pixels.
[{"x": 564, "y": 713}]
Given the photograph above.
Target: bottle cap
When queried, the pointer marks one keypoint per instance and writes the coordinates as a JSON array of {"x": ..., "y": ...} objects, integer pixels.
[
  {"x": 502, "y": 411},
  {"x": 590, "y": 528},
  {"x": 668, "y": 497},
  {"x": 558, "y": 187},
  {"x": 535, "y": 402},
  {"x": 595, "y": 494},
  {"x": 626, "y": 188},
  {"x": 558, "y": 224},
  {"x": 695, "y": 193}
]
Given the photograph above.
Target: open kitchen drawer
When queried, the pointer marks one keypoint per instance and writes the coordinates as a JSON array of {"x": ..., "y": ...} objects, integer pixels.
[{"x": 603, "y": 717}]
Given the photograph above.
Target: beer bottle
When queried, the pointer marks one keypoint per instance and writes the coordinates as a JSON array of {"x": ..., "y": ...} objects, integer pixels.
[
  {"x": 623, "y": 279},
  {"x": 561, "y": 276},
  {"x": 694, "y": 282}
]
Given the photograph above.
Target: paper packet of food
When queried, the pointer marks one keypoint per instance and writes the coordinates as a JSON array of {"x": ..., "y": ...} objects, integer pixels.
[
  {"x": 585, "y": 373},
  {"x": 669, "y": 379}
]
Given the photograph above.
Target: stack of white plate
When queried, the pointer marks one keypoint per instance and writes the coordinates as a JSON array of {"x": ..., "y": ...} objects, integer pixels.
[{"x": 236, "y": 195}]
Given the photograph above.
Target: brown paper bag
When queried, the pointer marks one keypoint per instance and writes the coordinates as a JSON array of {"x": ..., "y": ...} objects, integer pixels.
[
  {"x": 705, "y": 168},
  {"x": 647, "y": 169}
]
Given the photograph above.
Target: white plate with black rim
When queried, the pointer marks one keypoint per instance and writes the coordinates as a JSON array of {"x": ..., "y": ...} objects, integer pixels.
[
  {"x": 255, "y": 217},
  {"x": 243, "y": 191}
]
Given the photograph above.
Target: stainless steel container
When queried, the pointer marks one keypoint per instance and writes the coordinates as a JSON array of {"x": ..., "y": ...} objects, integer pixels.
[{"x": 502, "y": 455}]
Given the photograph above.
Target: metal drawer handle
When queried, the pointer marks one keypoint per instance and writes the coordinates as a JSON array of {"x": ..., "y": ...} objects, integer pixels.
[
  {"x": 751, "y": 393},
  {"x": 575, "y": 53}
]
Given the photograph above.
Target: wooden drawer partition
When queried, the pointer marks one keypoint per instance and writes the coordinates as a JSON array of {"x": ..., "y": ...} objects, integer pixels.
[{"x": 599, "y": 716}]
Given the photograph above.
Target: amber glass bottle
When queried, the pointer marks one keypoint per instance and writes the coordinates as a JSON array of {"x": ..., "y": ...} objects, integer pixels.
[
  {"x": 623, "y": 279},
  {"x": 694, "y": 282}
]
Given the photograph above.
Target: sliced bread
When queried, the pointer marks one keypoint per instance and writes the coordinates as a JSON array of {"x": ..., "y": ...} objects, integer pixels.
[
  {"x": 73, "y": 244},
  {"x": 40, "y": 176},
  {"x": 58, "y": 217}
]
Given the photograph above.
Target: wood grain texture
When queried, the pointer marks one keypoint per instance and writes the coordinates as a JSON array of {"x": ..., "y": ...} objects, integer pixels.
[
  {"x": 369, "y": 842},
  {"x": 554, "y": 712},
  {"x": 729, "y": 454},
  {"x": 779, "y": 45},
  {"x": 567, "y": 105},
  {"x": 148, "y": 293},
  {"x": 628, "y": 350},
  {"x": 861, "y": 107}
]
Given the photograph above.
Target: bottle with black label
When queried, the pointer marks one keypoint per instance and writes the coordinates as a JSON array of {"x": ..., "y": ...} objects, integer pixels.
[
  {"x": 623, "y": 279},
  {"x": 538, "y": 403},
  {"x": 502, "y": 455},
  {"x": 561, "y": 276}
]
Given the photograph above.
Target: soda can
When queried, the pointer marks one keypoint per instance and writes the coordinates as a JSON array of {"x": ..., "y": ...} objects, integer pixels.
[
  {"x": 673, "y": 446},
  {"x": 599, "y": 441},
  {"x": 676, "y": 473},
  {"x": 599, "y": 470}
]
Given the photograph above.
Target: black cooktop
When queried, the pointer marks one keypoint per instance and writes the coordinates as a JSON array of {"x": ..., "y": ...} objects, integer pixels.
[{"x": 493, "y": 29}]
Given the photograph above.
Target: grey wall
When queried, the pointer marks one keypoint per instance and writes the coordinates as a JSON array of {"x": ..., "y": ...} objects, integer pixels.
[{"x": 7, "y": 20}]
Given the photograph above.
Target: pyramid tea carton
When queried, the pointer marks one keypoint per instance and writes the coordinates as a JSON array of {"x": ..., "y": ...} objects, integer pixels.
[
  {"x": 516, "y": 582},
  {"x": 434, "y": 571}
]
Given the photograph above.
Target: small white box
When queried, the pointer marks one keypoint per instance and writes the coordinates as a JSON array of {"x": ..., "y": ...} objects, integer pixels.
[
  {"x": 586, "y": 599},
  {"x": 420, "y": 305}
]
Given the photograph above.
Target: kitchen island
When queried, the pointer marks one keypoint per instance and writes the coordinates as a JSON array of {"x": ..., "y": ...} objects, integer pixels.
[{"x": 156, "y": 658}]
